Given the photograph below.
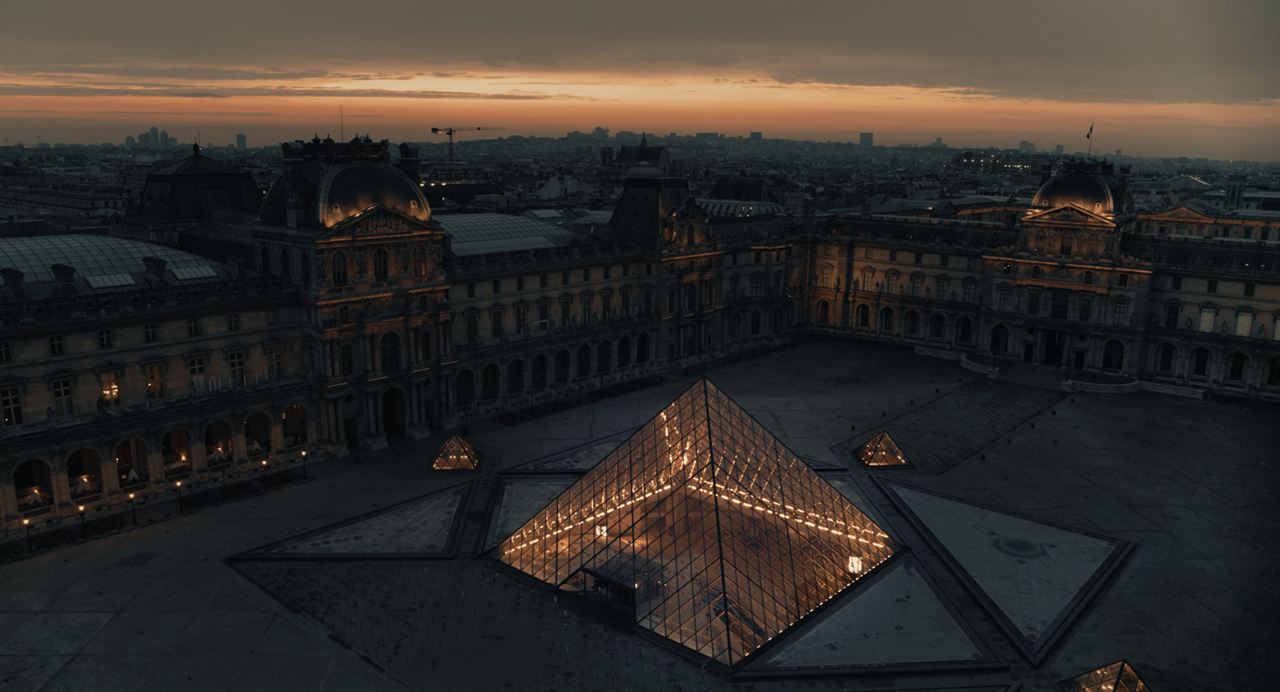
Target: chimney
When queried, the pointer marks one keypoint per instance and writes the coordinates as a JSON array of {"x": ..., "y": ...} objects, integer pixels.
[
  {"x": 12, "y": 281},
  {"x": 154, "y": 266},
  {"x": 65, "y": 276}
]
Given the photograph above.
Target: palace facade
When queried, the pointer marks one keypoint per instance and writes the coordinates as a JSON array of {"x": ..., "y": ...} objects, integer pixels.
[{"x": 345, "y": 313}]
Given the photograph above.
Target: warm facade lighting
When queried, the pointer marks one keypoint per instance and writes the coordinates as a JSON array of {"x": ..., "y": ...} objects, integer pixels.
[
  {"x": 1115, "y": 677},
  {"x": 881, "y": 450},
  {"x": 456, "y": 455},
  {"x": 716, "y": 534}
]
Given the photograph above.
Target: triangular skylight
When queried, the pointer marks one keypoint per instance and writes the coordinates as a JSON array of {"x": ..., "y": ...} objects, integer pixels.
[
  {"x": 456, "y": 455},
  {"x": 881, "y": 450},
  {"x": 717, "y": 535},
  {"x": 1116, "y": 677}
]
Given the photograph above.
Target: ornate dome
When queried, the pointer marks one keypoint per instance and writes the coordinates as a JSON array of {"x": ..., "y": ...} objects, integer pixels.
[
  {"x": 328, "y": 188},
  {"x": 1088, "y": 185}
]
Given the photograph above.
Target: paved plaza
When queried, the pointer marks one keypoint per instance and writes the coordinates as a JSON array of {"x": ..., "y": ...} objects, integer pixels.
[{"x": 1045, "y": 533}]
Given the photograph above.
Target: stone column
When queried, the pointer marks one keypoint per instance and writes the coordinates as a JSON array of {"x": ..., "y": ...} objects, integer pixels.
[
  {"x": 61, "y": 487},
  {"x": 155, "y": 467},
  {"x": 8, "y": 502},
  {"x": 110, "y": 477},
  {"x": 196, "y": 455},
  {"x": 276, "y": 435}
]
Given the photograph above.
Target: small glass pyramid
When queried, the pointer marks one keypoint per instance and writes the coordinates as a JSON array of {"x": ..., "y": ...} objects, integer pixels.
[
  {"x": 717, "y": 535},
  {"x": 881, "y": 450},
  {"x": 1116, "y": 677},
  {"x": 456, "y": 455}
]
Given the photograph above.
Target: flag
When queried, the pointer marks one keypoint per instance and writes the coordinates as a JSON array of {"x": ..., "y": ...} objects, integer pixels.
[{"x": 1089, "y": 135}]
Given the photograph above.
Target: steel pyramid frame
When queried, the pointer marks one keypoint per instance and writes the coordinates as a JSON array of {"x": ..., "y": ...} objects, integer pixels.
[
  {"x": 881, "y": 450},
  {"x": 719, "y": 536},
  {"x": 1113, "y": 677},
  {"x": 456, "y": 455}
]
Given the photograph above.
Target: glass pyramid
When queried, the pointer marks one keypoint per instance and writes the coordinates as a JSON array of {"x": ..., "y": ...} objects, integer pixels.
[
  {"x": 716, "y": 534},
  {"x": 1116, "y": 677},
  {"x": 456, "y": 455},
  {"x": 881, "y": 450}
]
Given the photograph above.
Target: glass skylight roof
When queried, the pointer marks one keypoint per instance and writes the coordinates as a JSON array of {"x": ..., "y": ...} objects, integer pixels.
[
  {"x": 480, "y": 234},
  {"x": 91, "y": 255}
]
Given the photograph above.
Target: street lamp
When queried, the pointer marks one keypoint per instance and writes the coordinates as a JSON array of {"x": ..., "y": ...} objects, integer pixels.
[
  {"x": 82, "y": 531},
  {"x": 304, "y": 463},
  {"x": 133, "y": 510},
  {"x": 26, "y": 524},
  {"x": 178, "y": 485}
]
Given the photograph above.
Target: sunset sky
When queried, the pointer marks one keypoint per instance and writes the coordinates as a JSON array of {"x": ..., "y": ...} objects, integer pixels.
[{"x": 1158, "y": 78}]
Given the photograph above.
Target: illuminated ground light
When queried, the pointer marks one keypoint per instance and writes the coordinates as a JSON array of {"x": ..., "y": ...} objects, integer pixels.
[
  {"x": 456, "y": 455},
  {"x": 715, "y": 533},
  {"x": 1115, "y": 677},
  {"x": 881, "y": 450}
]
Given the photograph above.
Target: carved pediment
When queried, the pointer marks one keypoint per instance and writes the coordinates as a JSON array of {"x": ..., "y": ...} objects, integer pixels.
[
  {"x": 1069, "y": 214},
  {"x": 1182, "y": 214},
  {"x": 377, "y": 220}
]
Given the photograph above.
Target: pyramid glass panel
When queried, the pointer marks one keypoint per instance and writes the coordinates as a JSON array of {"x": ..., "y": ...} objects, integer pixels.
[
  {"x": 719, "y": 536},
  {"x": 1116, "y": 677},
  {"x": 881, "y": 450},
  {"x": 456, "y": 455}
]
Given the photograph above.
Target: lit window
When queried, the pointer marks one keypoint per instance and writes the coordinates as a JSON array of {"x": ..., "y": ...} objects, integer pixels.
[{"x": 110, "y": 388}]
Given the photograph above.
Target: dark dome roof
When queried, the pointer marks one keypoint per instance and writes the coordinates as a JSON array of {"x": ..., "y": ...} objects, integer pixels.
[
  {"x": 1089, "y": 185},
  {"x": 196, "y": 187},
  {"x": 329, "y": 193}
]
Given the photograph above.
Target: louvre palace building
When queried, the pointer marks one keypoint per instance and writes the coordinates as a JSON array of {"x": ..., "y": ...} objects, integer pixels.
[{"x": 220, "y": 332}]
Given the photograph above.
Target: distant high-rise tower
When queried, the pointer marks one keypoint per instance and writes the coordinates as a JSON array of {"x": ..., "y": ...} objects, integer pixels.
[
  {"x": 129, "y": 141},
  {"x": 242, "y": 142},
  {"x": 1027, "y": 147},
  {"x": 153, "y": 137},
  {"x": 757, "y": 136},
  {"x": 1057, "y": 151},
  {"x": 867, "y": 139}
]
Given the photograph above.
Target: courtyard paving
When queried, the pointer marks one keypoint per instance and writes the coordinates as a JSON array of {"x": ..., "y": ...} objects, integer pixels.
[{"x": 1192, "y": 485}]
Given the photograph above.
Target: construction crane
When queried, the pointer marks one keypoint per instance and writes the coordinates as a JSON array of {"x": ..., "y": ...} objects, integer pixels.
[{"x": 451, "y": 131}]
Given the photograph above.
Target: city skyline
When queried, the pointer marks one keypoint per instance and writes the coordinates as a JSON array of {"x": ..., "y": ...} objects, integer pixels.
[{"x": 1180, "y": 79}]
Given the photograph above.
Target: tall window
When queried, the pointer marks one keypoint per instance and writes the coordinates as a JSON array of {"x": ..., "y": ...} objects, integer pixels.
[
  {"x": 196, "y": 367},
  {"x": 235, "y": 364},
  {"x": 104, "y": 339},
  {"x": 233, "y": 322},
  {"x": 110, "y": 388},
  {"x": 544, "y": 315},
  {"x": 62, "y": 404},
  {"x": 11, "y": 405},
  {"x": 55, "y": 345},
  {"x": 522, "y": 316},
  {"x": 275, "y": 361},
  {"x": 149, "y": 333},
  {"x": 420, "y": 262},
  {"x": 193, "y": 327},
  {"x": 495, "y": 323},
  {"x": 155, "y": 381},
  {"x": 338, "y": 264},
  {"x": 379, "y": 265},
  {"x": 6, "y": 352}
]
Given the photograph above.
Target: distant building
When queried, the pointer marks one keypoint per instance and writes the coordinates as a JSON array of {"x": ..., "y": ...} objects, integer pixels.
[
  {"x": 631, "y": 156},
  {"x": 242, "y": 142},
  {"x": 706, "y": 135},
  {"x": 756, "y": 136},
  {"x": 1027, "y": 147},
  {"x": 867, "y": 139},
  {"x": 1057, "y": 151}
]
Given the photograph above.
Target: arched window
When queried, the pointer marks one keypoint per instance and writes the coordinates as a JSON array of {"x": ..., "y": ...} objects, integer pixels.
[
  {"x": 1167, "y": 353},
  {"x": 286, "y": 265},
  {"x": 999, "y": 340},
  {"x": 1113, "y": 356},
  {"x": 379, "y": 265},
  {"x": 824, "y": 312},
  {"x": 1200, "y": 362},
  {"x": 937, "y": 327},
  {"x": 339, "y": 268},
  {"x": 1236, "y": 367},
  {"x": 912, "y": 321},
  {"x": 864, "y": 316},
  {"x": 886, "y": 320}
]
